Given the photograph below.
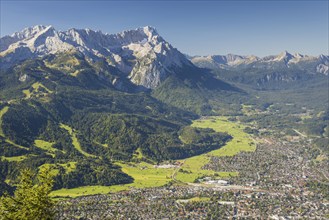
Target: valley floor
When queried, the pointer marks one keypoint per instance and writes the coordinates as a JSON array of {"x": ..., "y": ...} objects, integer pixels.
[
  {"x": 186, "y": 171},
  {"x": 279, "y": 180}
]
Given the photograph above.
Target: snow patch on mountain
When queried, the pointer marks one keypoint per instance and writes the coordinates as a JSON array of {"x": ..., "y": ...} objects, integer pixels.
[{"x": 141, "y": 54}]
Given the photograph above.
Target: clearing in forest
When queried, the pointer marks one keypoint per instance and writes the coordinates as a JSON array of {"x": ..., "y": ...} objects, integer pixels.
[{"x": 75, "y": 140}]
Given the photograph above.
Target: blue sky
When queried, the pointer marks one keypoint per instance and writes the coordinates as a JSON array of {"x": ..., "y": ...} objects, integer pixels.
[{"x": 194, "y": 27}]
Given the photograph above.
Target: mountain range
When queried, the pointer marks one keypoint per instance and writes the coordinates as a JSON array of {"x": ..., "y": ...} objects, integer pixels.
[
  {"x": 285, "y": 59},
  {"x": 141, "y": 55}
]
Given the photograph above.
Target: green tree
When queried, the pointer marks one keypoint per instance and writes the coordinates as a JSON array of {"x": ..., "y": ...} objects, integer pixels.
[{"x": 30, "y": 201}]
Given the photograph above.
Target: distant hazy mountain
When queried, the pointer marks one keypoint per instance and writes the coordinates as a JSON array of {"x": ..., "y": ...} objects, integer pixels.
[
  {"x": 284, "y": 60},
  {"x": 141, "y": 54}
]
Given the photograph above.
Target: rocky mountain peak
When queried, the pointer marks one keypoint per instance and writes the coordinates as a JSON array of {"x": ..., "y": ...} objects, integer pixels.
[
  {"x": 150, "y": 31},
  {"x": 31, "y": 31},
  {"x": 142, "y": 54},
  {"x": 284, "y": 56}
]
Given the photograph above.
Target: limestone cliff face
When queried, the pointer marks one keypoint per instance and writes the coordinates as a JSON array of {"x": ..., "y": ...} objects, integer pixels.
[{"x": 142, "y": 54}]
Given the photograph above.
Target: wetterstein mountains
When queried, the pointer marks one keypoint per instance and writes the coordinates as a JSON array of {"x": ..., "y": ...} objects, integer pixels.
[
  {"x": 87, "y": 97},
  {"x": 140, "y": 55}
]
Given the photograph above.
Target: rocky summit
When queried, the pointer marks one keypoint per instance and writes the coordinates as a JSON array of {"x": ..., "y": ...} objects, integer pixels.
[{"x": 142, "y": 55}]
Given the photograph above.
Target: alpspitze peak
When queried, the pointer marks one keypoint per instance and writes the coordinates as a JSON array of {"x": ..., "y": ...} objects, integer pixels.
[{"x": 285, "y": 55}]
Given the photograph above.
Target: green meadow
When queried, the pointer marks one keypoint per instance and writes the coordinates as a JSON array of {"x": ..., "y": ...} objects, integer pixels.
[
  {"x": 2, "y": 112},
  {"x": 35, "y": 90},
  {"x": 68, "y": 167},
  {"x": 45, "y": 145},
  {"x": 147, "y": 175},
  {"x": 241, "y": 141},
  {"x": 14, "y": 159},
  {"x": 75, "y": 140}
]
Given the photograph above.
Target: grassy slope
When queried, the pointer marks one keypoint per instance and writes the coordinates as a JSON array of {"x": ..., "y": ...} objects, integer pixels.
[
  {"x": 75, "y": 141},
  {"x": 2, "y": 112},
  {"x": 35, "y": 87},
  {"x": 146, "y": 175},
  {"x": 15, "y": 158},
  {"x": 45, "y": 145}
]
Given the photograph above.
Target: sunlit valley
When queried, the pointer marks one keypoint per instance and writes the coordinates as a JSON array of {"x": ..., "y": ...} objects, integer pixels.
[{"x": 126, "y": 126}]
